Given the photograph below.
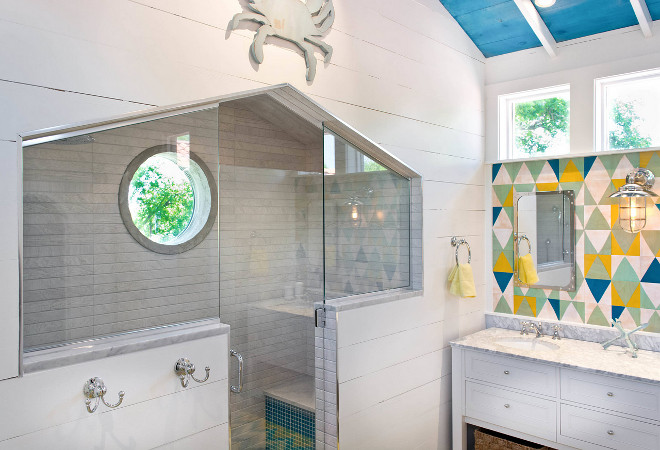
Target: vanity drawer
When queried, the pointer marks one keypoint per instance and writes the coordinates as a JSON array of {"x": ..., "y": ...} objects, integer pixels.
[
  {"x": 608, "y": 430},
  {"x": 615, "y": 394},
  {"x": 525, "y": 413},
  {"x": 512, "y": 372}
]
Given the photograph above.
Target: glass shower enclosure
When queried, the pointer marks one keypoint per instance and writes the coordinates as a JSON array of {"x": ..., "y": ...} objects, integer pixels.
[{"x": 257, "y": 208}]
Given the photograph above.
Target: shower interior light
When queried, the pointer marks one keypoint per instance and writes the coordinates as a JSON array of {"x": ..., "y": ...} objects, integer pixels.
[{"x": 544, "y": 3}]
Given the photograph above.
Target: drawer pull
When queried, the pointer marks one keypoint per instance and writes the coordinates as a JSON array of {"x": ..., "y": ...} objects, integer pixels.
[
  {"x": 610, "y": 394},
  {"x": 506, "y": 372},
  {"x": 610, "y": 432},
  {"x": 506, "y": 405}
]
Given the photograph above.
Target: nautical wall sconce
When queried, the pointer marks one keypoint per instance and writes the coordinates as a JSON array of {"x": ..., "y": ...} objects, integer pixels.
[
  {"x": 544, "y": 3},
  {"x": 632, "y": 198}
]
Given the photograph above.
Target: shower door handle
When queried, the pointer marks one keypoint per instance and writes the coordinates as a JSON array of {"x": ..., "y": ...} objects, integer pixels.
[{"x": 239, "y": 388}]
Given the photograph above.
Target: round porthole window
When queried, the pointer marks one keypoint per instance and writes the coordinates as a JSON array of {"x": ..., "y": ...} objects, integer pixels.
[{"x": 168, "y": 199}]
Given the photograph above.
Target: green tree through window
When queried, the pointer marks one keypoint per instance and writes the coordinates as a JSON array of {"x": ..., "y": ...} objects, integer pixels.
[
  {"x": 539, "y": 122},
  {"x": 162, "y": 200},
  {"x": 626, "y": 133}
]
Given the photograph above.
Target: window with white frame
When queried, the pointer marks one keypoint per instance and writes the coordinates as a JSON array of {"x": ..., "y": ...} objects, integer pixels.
[
  {"x": 628, "y": 111},
  {"x": 534, "y": 123}
]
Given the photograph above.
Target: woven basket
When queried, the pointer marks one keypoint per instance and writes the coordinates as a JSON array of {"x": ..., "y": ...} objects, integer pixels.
[{"x": 485, "y": 441}]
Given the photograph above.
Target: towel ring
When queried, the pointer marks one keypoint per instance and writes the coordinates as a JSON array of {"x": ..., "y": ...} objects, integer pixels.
[
  {"x": 522, "y": 237},
  {"x": 455, "y": 242}
]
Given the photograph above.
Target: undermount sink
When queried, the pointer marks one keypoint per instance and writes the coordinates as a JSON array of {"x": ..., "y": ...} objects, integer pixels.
[{"x": 525, "y": 343}]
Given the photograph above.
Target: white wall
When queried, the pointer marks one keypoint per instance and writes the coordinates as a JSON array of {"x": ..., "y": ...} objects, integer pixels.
[
  {"x": 46, "y": 409},
  {"x": 578, "y": 63},
  {"x": 403, "y": 73}
]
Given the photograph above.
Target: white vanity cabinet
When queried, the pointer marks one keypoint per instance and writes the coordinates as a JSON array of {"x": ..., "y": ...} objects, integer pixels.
[{"x": 545, "y": 402}]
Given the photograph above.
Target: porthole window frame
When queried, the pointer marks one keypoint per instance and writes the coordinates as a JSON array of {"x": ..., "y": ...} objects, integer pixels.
[{"x": 127, "y": 218}]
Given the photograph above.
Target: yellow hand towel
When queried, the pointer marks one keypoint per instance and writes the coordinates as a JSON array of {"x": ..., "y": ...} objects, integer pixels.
[
  {"x": 526, "y": 270},
  {"x": 462, "y": 281}
]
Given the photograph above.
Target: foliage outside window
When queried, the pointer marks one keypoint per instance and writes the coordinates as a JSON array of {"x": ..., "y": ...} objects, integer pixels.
[
  {"x": 628, "y": 111},
  {"x": 167, "y": 198},
  {"x": 161, "y": 199},
  {"x": 535, "y": 123}
]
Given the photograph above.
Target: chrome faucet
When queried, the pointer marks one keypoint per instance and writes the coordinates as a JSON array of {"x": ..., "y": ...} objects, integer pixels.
[
  {"x": 523, "y": 330},
  {"x": 556, "y": 335},
  {"x": 537, "y": 327}
]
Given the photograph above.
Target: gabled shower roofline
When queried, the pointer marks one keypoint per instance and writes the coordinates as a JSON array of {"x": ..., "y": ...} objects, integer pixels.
[{"x": 285, "y": 94}]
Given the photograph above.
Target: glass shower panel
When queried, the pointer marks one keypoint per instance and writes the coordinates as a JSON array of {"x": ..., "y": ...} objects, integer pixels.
[
  {"x": 85, "y": 274},
  {"x": 271, "y": 270},
  {"x": 367, "y": 222}
]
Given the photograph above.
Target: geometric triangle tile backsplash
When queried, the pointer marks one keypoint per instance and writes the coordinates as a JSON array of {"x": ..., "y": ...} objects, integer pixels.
[{"x": 618, "y": 272}]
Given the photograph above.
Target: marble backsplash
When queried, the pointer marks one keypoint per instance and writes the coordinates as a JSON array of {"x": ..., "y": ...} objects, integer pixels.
[{"x": 590, "y": 333}]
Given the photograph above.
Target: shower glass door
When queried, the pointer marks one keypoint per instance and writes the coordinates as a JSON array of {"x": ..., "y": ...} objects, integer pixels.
[{"x": 271, "y": 271}]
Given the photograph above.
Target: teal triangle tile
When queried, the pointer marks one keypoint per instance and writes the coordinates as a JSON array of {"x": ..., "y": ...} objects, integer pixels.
[
  {"x": 554, "y": 164},
  {"x": 588, "y": 163},
  {"x": 652, "y": 274},
  {"x": 496, "y": 213},
  {"x": 496, "y": 170}
]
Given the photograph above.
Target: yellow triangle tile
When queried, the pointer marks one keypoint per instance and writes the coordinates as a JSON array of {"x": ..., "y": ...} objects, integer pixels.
[
  {"x": 502, "y": 264},
  {"x": 509, "y": 199},
  {"x": 607, "y": 262},
  {"x": 616, "y": 300},
  {"x": 546, "y": 186},
  {"x": 618, "y": 182},
  {"x": 588, "y": 262},
  {"x": 644, "y": 158},
  {"x": 635, "y": 300},
  {"x": 616, "y": 249},
  {"x": 634, "y": 247},
  {"x": 614, "y": 214},
  {"x": 571, "y": 174},
  {"x": 532, "y": 304},
  {"x": 517, "y": 300}
]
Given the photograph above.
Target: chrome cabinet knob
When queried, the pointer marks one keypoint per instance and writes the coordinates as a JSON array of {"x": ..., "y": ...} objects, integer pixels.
[
  {"x": 610, "y": 432},
  {"x": 506, "y": 405},
  {"x": 506, "y": 372},
  {"x": 95, "y": 388},
  {"x": 610, "y": 394},
  {"x": 185, "y": 370}
]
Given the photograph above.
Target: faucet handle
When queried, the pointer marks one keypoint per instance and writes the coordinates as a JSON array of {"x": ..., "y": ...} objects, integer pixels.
[
  {"x": 523, "y": 330},
  {"x": 556, "y": 335}
]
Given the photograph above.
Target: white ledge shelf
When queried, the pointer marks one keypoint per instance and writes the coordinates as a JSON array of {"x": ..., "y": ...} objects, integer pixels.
[{"x": 90, "y": 350}]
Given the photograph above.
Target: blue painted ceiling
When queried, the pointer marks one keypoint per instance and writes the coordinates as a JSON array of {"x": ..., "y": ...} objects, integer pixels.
[{"x": 498, "y": 27}]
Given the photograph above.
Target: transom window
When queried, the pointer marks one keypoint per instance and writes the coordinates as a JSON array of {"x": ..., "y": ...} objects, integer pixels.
[
  {"x": 628, "y": 111},
  {"x": 534, "y": 123}
]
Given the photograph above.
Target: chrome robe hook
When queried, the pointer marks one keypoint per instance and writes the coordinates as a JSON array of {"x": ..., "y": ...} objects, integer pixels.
[
  {"x": 185, "y": 370},
  {"x": 94, "y": 388}
]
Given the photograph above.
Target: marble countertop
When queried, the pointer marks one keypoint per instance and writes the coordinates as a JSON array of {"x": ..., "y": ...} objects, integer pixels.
[
  {"x": 118, "y": 345},
  {"x": 588, "y": 356}
]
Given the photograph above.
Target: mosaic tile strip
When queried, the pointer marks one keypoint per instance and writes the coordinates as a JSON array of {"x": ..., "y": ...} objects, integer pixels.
[
  {"x": 288, "y": 426},
  {"x": 618, "y": 273}
]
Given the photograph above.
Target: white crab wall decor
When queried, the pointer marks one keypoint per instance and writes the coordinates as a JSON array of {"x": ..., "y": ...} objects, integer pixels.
[{"x": 302, "y": 23}]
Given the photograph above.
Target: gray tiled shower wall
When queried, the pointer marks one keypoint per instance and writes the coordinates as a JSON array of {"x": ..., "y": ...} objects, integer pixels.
[{"x": 84, "y": 275}]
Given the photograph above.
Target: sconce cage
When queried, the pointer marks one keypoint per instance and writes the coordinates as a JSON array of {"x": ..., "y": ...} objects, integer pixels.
[{"x": 632, "y": 198}]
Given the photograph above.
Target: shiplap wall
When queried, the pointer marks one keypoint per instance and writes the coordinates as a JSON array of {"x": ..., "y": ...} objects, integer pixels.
[{"x": 403, "y": 73}]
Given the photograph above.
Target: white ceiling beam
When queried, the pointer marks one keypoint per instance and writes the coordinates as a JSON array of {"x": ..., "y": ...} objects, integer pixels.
[
  {"x": 643, "y": 16},
  {"x": 538, "y": 25}
]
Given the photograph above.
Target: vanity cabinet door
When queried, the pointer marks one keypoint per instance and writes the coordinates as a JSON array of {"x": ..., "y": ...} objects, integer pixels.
[
  {"x": 626, "y": 396},
  {"x": 608, "y": 430},
  {"x": 522, "y": 412},
  {"x": 512, "y": 372}
]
